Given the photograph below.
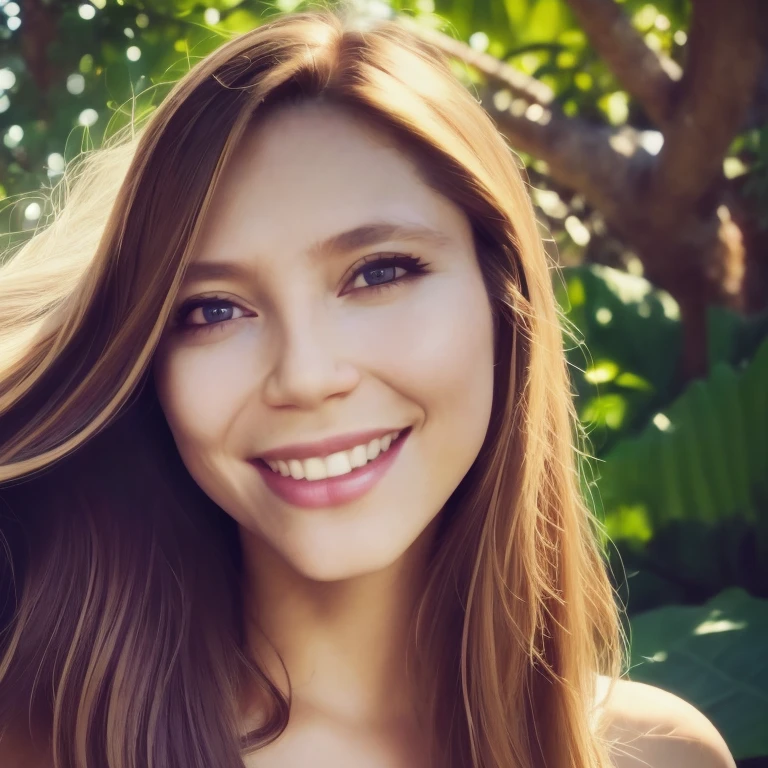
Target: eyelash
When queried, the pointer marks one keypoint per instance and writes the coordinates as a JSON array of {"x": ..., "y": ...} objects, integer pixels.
[{"x": 413, "y": 264}]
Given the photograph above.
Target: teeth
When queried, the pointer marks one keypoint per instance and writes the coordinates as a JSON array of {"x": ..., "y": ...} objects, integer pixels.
[
  {"x": 359, "y": 456},
  {"x": 315, "y": 469},
  {"x": 336, "y": 464},
  {"x": 374, "y": 449}
]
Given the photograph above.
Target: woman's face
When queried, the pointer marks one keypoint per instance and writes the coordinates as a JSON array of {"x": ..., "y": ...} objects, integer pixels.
[{"x": 345, "y": 304}]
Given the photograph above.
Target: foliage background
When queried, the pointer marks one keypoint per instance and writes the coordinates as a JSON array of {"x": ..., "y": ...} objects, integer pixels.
[{"x": 644, "y": 131}]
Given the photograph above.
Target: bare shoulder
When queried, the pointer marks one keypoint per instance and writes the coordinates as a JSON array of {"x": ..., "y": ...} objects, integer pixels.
[{"x": 652, "y": 728}]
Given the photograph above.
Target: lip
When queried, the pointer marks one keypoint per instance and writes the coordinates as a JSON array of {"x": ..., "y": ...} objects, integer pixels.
[
  {"x": 333, "y": 491},
  {"x": 323, "y": 448}
]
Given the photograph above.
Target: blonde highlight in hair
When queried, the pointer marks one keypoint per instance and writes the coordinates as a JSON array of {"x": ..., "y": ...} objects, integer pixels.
[{"x": 122, "y": 632}]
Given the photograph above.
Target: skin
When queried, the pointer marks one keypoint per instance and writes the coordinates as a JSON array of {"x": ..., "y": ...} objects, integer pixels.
[
  {"x": 651, "y": 727},
  {"x": 313, "y": 352}
]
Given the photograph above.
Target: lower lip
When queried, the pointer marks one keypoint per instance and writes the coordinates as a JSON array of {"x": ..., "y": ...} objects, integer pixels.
[{"x": 333, "y": 491}]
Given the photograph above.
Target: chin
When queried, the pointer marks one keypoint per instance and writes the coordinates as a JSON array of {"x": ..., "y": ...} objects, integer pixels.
[{"x": 339, "y": 566}]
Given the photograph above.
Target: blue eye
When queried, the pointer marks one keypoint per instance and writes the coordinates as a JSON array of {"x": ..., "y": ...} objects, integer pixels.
[
  {"x": 215, "y": 309},
  {"x": 381, "y": 274},
  {"x": 378, "y": 272},
  {"x": 215, "y": 313},
  {"x": 374, "y": 276}
]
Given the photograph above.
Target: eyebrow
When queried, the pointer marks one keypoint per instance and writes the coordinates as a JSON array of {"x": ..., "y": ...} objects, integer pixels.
[{"x": 342, "y": 243}]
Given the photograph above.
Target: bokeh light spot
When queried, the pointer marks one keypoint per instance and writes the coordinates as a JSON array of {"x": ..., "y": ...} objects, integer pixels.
[
  {"x": 576, "y": 229},
  {"x": 32, "y": 212},
  {"x": 56, "y": 162},
  {"x": 7, "y": 79},
  {"x": 479, "y": 41},
  {"x": 13, "y": 136},
  {"x": 76, "y": 84},
  {"x": 602, "y": 372},
  {"x": 603, "y": 315},
  {"x": 88, "y": 117}
]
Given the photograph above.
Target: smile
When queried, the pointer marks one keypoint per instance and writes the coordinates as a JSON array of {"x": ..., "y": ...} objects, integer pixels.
[
  {"x": 335, "y": 465},
  {"x": 335, "y": 479}
]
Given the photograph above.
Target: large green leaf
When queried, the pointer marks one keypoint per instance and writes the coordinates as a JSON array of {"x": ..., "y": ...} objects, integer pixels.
[
  {"x": 713, "y": 656},
  {"x": 689, "y": 496},
  {"x": 704, "y": 458}
]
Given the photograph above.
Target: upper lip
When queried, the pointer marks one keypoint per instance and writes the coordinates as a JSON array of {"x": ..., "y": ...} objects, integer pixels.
[{"x": 323, "y": 448}]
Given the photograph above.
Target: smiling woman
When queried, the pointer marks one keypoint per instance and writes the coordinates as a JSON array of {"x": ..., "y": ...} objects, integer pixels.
[{"x": 288, "y": 461}]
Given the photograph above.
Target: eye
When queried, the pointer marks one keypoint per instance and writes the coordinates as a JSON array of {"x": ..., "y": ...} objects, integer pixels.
[
  {"x": 372, "y": 276},
  {"x": 380, "y": 271},
  {"x": 213, "y": 312}
]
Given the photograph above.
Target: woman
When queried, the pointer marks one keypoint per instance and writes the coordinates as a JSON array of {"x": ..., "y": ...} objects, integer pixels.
[{"x": 287, "y": 430}]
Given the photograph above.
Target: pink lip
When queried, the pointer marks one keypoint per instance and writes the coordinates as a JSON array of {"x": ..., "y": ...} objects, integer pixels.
[
  {"x": 333, "y": 491},
  {"x": 323, "y": 448}
]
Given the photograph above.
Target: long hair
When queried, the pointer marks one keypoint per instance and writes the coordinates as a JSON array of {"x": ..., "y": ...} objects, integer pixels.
[{"x": 122, "y": 635}]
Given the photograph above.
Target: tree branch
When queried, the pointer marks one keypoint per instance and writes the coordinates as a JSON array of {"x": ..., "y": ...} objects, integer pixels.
[
  {"x": 648, "y": 77},
  {"x": 506, "y": 76},
  {"x": 598, "y": 162},
  {"x": 725, "y": 59}
]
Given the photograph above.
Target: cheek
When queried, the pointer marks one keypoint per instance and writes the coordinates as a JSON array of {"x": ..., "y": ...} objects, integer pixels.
[
  {"x": 440, "y": 346},
  {"x": 458, "y": 371},
  {"x": 197, "y": 394}
]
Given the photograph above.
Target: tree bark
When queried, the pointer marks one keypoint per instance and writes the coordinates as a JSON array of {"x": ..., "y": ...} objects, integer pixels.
[
  {"x": 725, "y": 55},
  {"x": 647, "y": 76},
  {"x": 37, "y": 34}
]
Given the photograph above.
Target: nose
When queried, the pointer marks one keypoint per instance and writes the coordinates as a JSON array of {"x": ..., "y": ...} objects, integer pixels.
[{"x": 309, "y": 365}]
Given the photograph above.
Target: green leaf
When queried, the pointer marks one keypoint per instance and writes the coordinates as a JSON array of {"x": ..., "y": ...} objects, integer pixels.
[
  {"x": 701, "y": 464},
  {"x": 713, "y": 656}
]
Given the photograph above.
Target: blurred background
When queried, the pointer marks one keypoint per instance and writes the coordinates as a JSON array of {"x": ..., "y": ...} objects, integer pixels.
[{"x": 644, "y": 132}]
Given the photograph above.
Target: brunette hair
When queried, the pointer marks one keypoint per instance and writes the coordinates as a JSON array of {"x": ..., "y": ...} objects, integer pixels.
[{"x": 121, "y": 625}]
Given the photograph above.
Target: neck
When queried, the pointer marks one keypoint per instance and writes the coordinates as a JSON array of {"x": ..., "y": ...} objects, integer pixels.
[{"x": 345, "y": 643}]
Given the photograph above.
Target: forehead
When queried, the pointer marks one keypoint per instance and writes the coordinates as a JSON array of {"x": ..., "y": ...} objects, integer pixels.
[{"x": 310, "y": 171}]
